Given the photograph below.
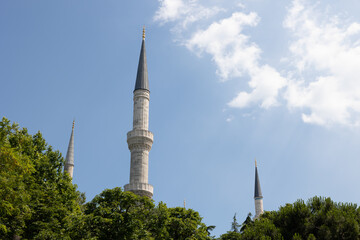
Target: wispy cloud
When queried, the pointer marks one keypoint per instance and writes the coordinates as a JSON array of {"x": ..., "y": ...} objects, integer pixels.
[
  {"x": 327, "y": 50},
  {"x": 231, "y": 50},
  {"x": 230, "y": 118},
  {"x": 170, "y": 10},
  {"x": 183, "y": 12},
  {"x": 323, "y": 61},
  {"x": 234, "y": 54}
]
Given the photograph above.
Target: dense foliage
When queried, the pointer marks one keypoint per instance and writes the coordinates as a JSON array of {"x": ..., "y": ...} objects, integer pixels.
[
  {"x": 36, "y": 197},
  {"x": 319, "y": 218},
  {"x": 38, "y": 200},
  {"x": 115, "y": 214}
]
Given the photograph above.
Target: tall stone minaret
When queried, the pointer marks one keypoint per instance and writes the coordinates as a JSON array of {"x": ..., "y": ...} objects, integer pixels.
[
  {"x": 259, "y": 208},
  {"x": 140, "y": 139},
  {"x": 69, "y": 160}
]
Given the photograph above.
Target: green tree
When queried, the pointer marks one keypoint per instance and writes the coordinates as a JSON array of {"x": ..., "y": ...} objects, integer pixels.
[
  {"x": 209, "y": 229},
  {"x": 291, "y": 219},
  {"x": 37, "y": 199},
  {"x": 331, "y": 220},
  {"x": 15, "y": 171},
  {"x": 262, "y": 228},
  {"x": 234, "y": 232},
  {"x": 311, "y": 237},
  {"x": 248, "y": 221},
  {"x": 297, "y": 237},
  {"x": 186, "y": 224},
  {"x": 115, "y": 214},
  {"x": 235, "y": 225},
  {"x": 230, "y": 235},
  {"x": 319, "y": 218}
]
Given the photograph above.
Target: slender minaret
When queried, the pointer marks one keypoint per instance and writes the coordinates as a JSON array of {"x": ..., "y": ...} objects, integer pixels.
[
  {"x": 69, "y": 161},
  {"x": 140, "y": 139},
  {"x": 259, "y": 208}
]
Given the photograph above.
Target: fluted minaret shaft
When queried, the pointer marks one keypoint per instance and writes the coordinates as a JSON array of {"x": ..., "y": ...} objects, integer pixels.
[
  {"x": 259, "y": 208},
  {"x": 69, "y": 160},
  {"x": 140, "y": 139}
]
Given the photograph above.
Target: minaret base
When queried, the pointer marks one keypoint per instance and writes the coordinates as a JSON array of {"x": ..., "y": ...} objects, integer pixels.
[
  {"x": 141, "y": 189},
  {"x": 259, "y": 208},
  {"x": 69, "y": 168}
]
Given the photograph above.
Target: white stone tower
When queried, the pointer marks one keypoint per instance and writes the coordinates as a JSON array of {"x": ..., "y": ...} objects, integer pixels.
[
  {"x": 69, "y": 160},
  {"x": 259, "y": 208},
  {"x": 140, "y": 139}
]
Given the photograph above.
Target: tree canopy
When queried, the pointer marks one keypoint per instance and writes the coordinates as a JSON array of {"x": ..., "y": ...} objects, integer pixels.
[
  {"x": 39, "y": 201},
  {"x": 115, "y": 214},
  {"x": 319, "y": 218},
  {"x": 37, "y": 198}
]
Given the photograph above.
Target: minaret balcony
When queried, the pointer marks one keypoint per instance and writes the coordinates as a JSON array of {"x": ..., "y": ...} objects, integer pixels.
[
  {"x": 139, "y": 137},
  {"x": 143, "y": 189}
]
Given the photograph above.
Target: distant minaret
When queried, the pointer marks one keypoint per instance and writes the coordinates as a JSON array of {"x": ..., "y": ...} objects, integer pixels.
[
  {"x": 69, "y": 161},
  {"x": 140, "y": 139},
  {"x": 259, "y": 209}
]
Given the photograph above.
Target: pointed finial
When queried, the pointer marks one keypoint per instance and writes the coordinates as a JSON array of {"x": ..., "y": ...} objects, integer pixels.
[
  {"x": 143, "y": 33},
  {"x": 184, "y": 203},
  {"x": 255, "y": 163},
  {"x": 73, "y": 124}
]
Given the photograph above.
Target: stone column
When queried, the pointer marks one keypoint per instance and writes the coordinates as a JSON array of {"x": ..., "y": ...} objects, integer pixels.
[
  {"x": 259, "y": 208},
  {"x": 140, "y": 140}
]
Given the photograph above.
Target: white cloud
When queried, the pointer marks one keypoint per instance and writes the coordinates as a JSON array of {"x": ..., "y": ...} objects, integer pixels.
[
  {"x": 326, "y": 49},
  {"x": 230, "y": 118},
  {"x": 324, "y": 57},
  {"x": 170, "y": 10},
  {"x": 184, "y": 12},
  {"x": 266, "y": 83},
  {"x": 231, "y": 50},
  {"x": 235, "y": 55}
]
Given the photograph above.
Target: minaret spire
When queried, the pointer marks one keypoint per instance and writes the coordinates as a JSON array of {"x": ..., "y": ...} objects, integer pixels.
[
  {"x": 142, "y": 81},
  {"x": 69, "y": 160},
  {"x": 259, "y": 208},
  {"x": 140, "y": 139}
]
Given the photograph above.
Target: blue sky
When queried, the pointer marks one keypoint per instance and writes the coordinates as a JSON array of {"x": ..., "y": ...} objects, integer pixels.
[{"x": 230, "y": 81}]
